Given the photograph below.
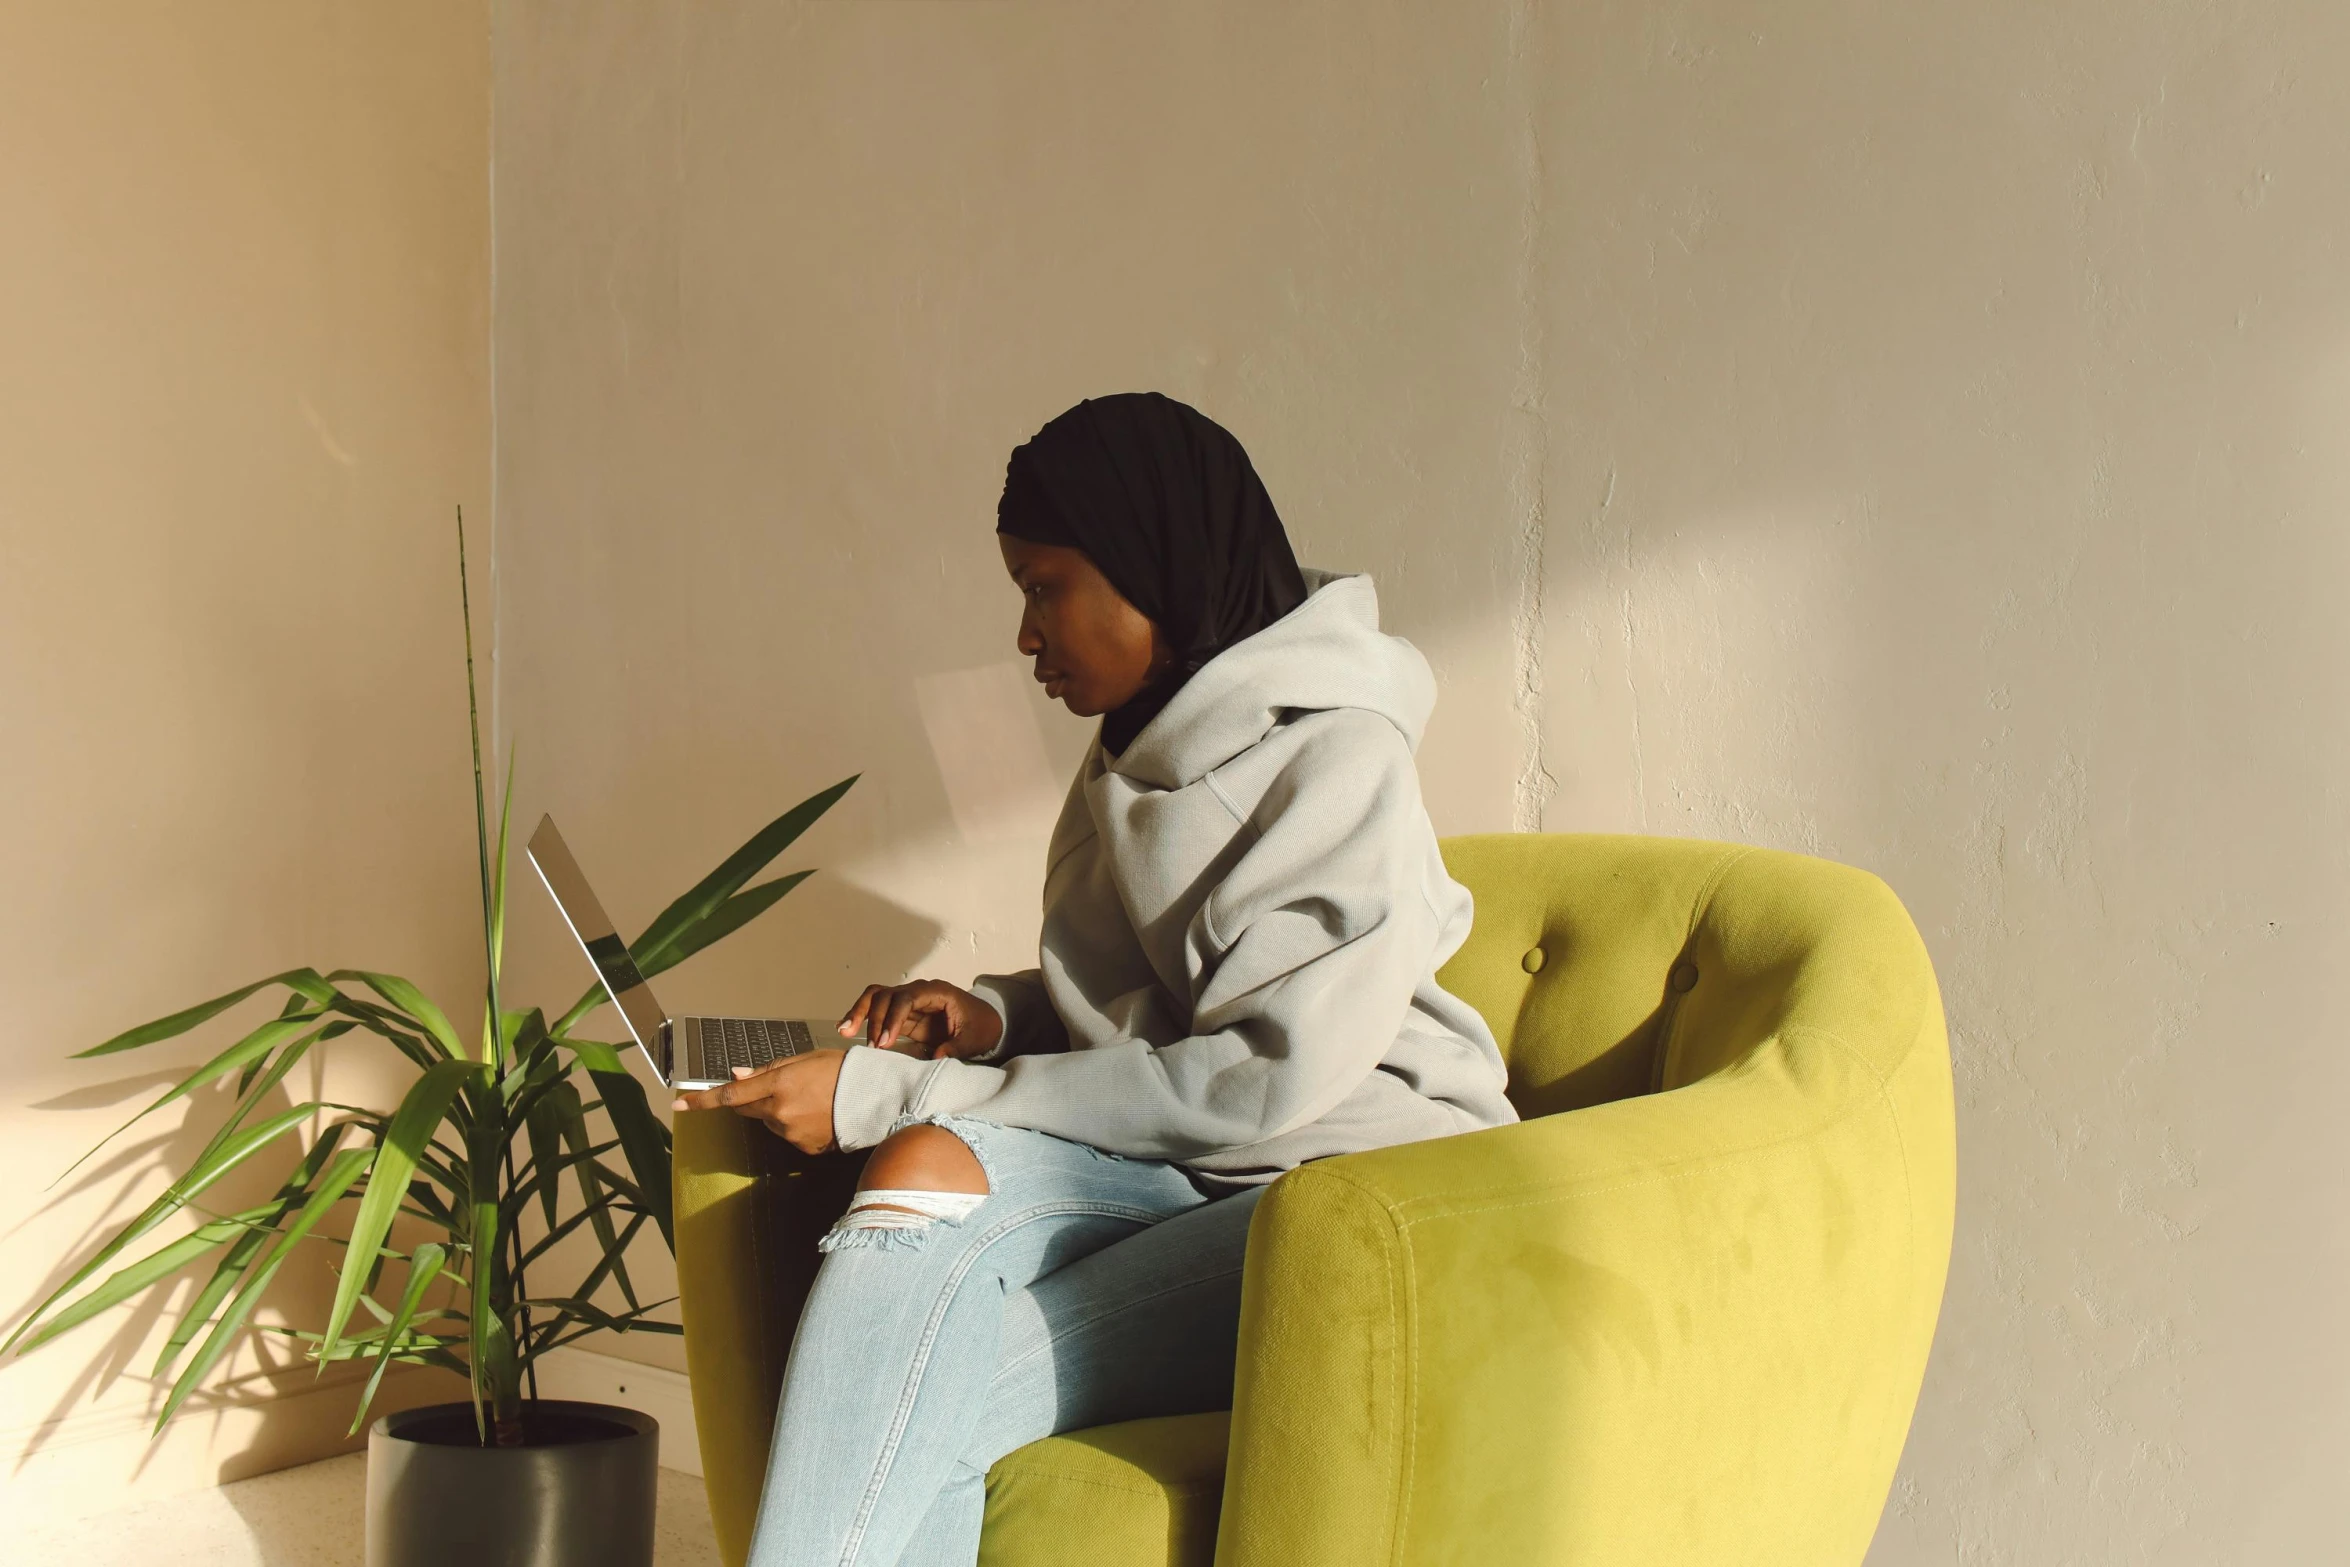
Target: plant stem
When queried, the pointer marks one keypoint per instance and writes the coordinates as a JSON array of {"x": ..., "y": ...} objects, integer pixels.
[
  {"x": 513, "y": 1237},
  {"x": 505, "y": 1408},
  {"x": 481, "y": 815}
]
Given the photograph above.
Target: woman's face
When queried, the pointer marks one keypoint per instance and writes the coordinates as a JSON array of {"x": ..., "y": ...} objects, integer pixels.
[{"x": 1093, "y": 650}]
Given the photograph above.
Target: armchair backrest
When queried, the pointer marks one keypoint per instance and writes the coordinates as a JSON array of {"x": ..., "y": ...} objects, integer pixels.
[
  {"x": 1615, "y": 966},
  {"x": 1671, "y": 1328}
]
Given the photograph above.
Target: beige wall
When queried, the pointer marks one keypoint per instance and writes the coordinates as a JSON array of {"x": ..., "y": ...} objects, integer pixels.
[
  {"x": 1946, "y": 473},
  {"x": 243, "y": 383},
  {"x": 1908, "y": 434}
]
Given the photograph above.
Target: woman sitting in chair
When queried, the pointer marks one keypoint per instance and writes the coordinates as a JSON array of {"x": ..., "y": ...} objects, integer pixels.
[{"x": 1244, "y": 911}]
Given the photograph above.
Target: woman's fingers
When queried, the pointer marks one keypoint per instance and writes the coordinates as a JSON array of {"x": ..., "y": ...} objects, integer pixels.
[
  {"x": 751, "y": 1089},
  {"x": 888, "y": 1015},
  {"x": 904, "y": 1003},
  {"x": 750, "y": 1086},
  {"x": 793, "y": 1098},
  {"x": 854, "y": 1018},
  {"x": 919, "y": 1013}
]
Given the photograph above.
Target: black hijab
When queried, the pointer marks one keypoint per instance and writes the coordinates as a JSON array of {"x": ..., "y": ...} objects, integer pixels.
[{"x": 1165, "y": 503}]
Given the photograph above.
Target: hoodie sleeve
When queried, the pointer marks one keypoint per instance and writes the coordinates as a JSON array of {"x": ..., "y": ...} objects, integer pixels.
[
  {"x": 1030, "y": 1025},
  {"x": 1307, "y": 952}
]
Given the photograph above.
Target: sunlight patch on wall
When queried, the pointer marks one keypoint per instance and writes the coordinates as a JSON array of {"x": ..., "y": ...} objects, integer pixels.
[
  {"x": 990, "y": 754},
  {"x": 1702, "y": 678}
]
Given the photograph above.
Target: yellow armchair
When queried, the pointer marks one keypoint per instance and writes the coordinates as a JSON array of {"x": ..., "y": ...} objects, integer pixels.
[{"x": 1676, "y": 1317}]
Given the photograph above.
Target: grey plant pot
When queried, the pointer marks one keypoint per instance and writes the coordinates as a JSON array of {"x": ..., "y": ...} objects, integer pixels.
[{"x": 582, "y": 1503}]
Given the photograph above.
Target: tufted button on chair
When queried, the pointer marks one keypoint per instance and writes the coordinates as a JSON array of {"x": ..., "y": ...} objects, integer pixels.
[{"x": 1676, "y": 1317}]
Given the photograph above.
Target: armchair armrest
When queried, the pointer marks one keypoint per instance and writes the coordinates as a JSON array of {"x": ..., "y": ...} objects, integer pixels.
[
  {"x": 1686, "y": 1328},
  {"x": 749, "y": 1208}
]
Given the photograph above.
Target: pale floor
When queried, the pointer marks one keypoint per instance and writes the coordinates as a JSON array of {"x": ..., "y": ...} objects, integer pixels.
[{"x": 306, "y": 1517}]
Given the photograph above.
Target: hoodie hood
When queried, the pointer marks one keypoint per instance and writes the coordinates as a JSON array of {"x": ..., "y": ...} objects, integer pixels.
[{"x": 1328, "y": 652}]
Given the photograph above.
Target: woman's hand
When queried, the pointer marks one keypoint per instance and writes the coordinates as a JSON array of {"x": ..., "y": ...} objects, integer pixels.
[
  {"x": 793, "y": 1097},
  {"x": 924, "y": 1017}
]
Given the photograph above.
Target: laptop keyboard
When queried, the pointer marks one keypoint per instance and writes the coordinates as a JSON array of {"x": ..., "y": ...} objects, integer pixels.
[{"x": 729, "y": 1042}]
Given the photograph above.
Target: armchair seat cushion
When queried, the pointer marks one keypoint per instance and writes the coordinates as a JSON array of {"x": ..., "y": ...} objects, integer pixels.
[{"x": 1144, "y": 1493}]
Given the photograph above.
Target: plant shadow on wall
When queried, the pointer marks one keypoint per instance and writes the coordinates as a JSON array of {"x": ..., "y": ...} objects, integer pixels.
[
  {"x": 504, "y": 1147},
  {"x": 130, "y": 1168}
]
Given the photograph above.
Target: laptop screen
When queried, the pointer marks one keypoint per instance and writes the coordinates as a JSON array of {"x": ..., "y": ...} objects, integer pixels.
[{"x": 605, "y": 949}]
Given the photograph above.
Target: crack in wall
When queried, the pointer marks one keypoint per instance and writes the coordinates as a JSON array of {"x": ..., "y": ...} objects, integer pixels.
[
  {"x": 1535, "y": 784},
  {"x": 496, "y": 551}
]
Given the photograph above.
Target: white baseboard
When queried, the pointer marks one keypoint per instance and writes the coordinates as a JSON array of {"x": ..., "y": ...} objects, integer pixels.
[{"x": 606, "y": 1379}]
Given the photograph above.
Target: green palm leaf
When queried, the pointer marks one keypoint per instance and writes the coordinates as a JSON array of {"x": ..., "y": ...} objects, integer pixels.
[
  {"x": 542, "y": 1179},
  {"x": 723, "y": 921},
  {"x": 593, "y": 1054},
  {"x": 610, "y": 1261},
  {"x": 704, "y": 897},
  {"x": 255, "y": 1067},
  {"x": 392, "y": 1162},
  {"x": 246, "y": 1051},
  {"x": 203, "y": 1012},
  {"x": 546, "y": 1146},
  {"x": 342, "y": 1172},
  {"x": 424, "y": 1266},
  {"x": 411, "y": 1003},
  {"x": 403, "y": 1034},
  {"x": 572, "y": 1118},
  {"x": 231, "y": 1267},
  {"x": 589, "y": 1215},
  {"x": 615, "y": 1322},
  {"x": 643, "y": 1140},
  {"x": 152, "y": 1268},
  {"x": 206, "y": 1170},
  {"x": 672, "y": 936},
  {"x": 259, "y": 1088},
  {"x": 498, "y": 868}
]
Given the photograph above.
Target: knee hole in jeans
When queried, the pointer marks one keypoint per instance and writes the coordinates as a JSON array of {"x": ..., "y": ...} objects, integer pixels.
[{"x": 919, "y": 1176}]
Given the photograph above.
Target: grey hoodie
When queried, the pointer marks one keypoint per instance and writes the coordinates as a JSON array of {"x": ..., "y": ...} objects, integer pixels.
[{"x": 1244, "y": 913}]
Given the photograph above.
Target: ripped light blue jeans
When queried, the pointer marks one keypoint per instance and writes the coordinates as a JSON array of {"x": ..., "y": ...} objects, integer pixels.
[{"x": 1083, "y": 1288}]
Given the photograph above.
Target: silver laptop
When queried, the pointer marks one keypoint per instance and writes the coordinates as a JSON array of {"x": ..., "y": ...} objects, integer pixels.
[{"x": 686, "y": 1052}]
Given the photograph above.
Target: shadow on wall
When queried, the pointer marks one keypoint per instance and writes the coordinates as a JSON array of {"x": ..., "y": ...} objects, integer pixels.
[
  {"x": 828, "y": 925},
  {"x": 250, "y": 1400},
  {"x": 133, "y": 1171},
  {"x": 849, "y": 930},
  {"x": 832, "y": 925}
]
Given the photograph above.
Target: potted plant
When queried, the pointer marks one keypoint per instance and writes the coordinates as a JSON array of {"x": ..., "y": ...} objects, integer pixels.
[{"x": 487, "y": 1135}]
